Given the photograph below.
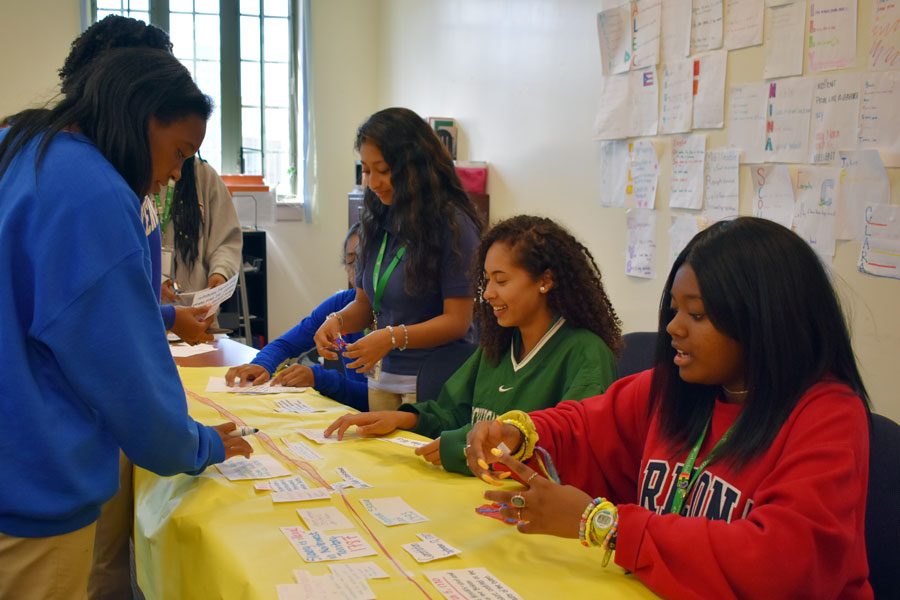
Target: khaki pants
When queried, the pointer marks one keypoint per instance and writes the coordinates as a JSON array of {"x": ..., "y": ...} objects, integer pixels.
[
  {"x": 48, "y": 568},
  {"x": 111, "y": 569},
  {"x": 382, "y": 400}
]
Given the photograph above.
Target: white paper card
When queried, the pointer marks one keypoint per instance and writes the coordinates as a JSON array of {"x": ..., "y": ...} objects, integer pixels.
[
  {"x": 675, "y": 33},
  {"x": 682, "y": 231},
  {"x": 646, "y": 32},
  {"x": 747, "y": 121},
  {"x": 350, "y": 480},
  {"x": 834, "y": 116},
  {"x": 184, "y": 350},
  {"x": 470, "y": 584},
  {"x": 392, "y": 511},
  {"x": 880, "y": 251},
  {"x": 688, "y": 160},
  {"x": 287, "y": 484},
  {"x": 676, "y": 111},
  {"x": 640, "y": 253},
  {"x": 318, "y": 436},
  {"x": 366, "y": 570},
  {"x": 721, "y": 191},
  {"x": 301, "y": 495},
  {"x": 787, "y": 127},
  {"x": 328, "y": 518},
  {"x": 707, "y": 19},
  {"x": 316, "y": 547},
  {"x": 863, "y": 181},
  {"x": 774, "y": 197},
  {"x": 628, "y": 105},
  {"x": 784, "y": 39},
  {"x": 402, "y": 441},
  {"x": 743, "y": 23},
  {"x": 613, "y": 172},
  {"x": 215, "y": 296},
  {"x": 295, "y": 405},
  {"x": 709, "y": 90},
  {"x": 301, "y": 450},
  {"x": 614, "y": 35},
  {"x": 643, "y": 174},
  {"x": 879, "y": 119},
  {"x": 430, "y": 548},
  {"x": 832, "y": 34},
  {"x": 884, "y": 51},
  {"x": 257, "y": 467},
  {"x": 815, "y": 207},
  {"x": 217, "y": 384},
  {"x": 343, "y": 586}
]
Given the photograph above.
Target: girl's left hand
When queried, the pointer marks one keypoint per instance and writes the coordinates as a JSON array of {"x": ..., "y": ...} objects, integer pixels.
[
  {"x": 544, "y": 506},
  {"x": 431, "y": 452},
  {"x": 369, "y": 350},
  {"x": 215, "y": 280}
]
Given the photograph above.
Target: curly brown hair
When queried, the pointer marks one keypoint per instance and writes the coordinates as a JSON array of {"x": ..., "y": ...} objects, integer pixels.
[{"x": 539, "y": 244}]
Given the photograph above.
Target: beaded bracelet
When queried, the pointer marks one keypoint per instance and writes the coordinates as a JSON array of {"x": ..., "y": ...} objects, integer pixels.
[
  {"x": 405, "y": 338},
  {"x": 609, "y": 542},
  {"x": 583, "y": 524},
  {"x": 338, "y": 316},
  {"x": 521, "y": 421},
  {"x": 607, "y": 513},
  {"x": 390, "y": 330}
]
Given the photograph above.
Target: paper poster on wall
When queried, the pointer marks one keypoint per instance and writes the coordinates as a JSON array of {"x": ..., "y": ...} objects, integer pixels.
[
  {"x": 613, "y": 172},
  {"x": 832, "y": 34},
  {"x": 880, "y": 251},
  {"x": 677, "y": 97},
  {"x": 884, "y": 51},
  {"x": 643, "y": 174},
  {"x": 879, "y": 119},
  {"x": 628, "y": 106},
  {"x": 721, "y": 190},
  {"x": 815, "y": 207},
  {"x": 688, "y": 159},
  {"x": 707, "y": 21},
  {"x": 747, "y": 120},
  {"x": 647, "y": 20},
  {"x": 682, "y": 231},
  {"x": 743, "y": 23},
  {"x": 640, "y": 252},
  {"x": 773, "y": 197},
  {"x": 834, "y": 118},
  {"x": 787, "y": 120},
  {"x": 863, "y": 181},
  {"x": 614, "y": 34},
  {"x": 784, "y": 40},
  {"x": 709, "y": 90},
  {"x": 675, "y": 33}
]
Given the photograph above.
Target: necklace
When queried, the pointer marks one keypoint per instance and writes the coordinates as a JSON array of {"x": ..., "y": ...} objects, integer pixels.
[
  {"x": 684, "y": 482},
  {"x": 735, "y": 392}
]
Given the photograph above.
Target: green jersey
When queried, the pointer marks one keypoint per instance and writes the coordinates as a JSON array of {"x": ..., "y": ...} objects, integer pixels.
[{"x": 566, "y": 364}]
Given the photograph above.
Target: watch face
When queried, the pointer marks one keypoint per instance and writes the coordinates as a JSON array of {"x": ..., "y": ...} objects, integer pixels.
[{"x": 603, "y": 520}]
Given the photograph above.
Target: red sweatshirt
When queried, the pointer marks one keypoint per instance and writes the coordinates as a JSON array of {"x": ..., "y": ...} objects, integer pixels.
[{"x": 787, "y": 525}]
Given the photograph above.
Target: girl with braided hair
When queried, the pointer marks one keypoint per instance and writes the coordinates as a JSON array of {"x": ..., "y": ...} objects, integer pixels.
[{"x": 548, "y": 333}]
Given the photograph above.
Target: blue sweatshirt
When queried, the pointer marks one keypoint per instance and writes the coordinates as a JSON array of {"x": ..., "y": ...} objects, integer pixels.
[
  {"x": 84, "y": 348},
  {"x": 351, "y": 389}
]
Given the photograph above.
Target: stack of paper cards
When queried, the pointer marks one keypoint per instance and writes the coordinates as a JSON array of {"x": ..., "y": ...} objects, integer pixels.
[
  {"x": 258, "y": 467},
  {"x": 324, "y": 519},
  {"x": 218, "y": 385},
  {"x": 314, "y": 546},
  {"x": 301, "y": 450},
  {"x": 402, "y": 441},
  {"x": 392, "y": 511},
  {"x": 430, "y": 548},
  {"x": 470, "y": 584},
  {"x": 295, "y": 405}
]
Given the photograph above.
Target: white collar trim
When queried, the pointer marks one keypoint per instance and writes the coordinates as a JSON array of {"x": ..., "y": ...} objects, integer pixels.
[{"x": 537, "y": 347}]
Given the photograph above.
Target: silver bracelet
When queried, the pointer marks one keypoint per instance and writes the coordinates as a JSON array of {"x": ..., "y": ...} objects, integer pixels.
[
  {"x": 393, "y": 340},
  {"x": 405, "y": 337},
  {"x": 338, "y": 317}
]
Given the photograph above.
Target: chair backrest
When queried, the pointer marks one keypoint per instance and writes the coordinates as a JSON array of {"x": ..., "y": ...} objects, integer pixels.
[
  {"x": 437, "y": 368},
  {"x": 637, "y": 352},
  {"x": 883, "y": 508}
]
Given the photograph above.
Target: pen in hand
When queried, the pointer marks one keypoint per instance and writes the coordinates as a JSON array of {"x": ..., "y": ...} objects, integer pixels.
[{"x": 243, "y": 431}]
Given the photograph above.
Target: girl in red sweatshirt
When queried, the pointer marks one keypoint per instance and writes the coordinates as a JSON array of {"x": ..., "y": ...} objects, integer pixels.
[{"x": 737, "y": 467}]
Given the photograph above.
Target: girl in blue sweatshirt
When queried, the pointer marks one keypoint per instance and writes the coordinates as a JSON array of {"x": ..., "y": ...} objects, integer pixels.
[{"x": 84, "y": 345}]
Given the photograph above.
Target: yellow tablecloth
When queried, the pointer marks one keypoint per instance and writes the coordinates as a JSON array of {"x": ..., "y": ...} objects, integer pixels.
[{"x": 207, "y": 537}]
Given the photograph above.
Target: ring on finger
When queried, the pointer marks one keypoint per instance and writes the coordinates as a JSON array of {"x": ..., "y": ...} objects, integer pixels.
[
  {"x": 518, "y": 501},
  {"x": 533, "y": 475},
  {"x": 520, "y": 515},
  {"x": 466, "y": 450}
]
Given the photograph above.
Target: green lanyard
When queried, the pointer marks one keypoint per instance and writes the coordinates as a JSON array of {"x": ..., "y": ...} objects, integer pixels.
[
  {"x": 167, "y": 211},
  {"x": 685, "y": 482},
  {"x": 379, "y": 279}
]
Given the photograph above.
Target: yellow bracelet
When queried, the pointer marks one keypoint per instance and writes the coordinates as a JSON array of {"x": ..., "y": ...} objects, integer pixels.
[
  {"x": 521, "y": 421},
  {"x": 596, "y": 536}
]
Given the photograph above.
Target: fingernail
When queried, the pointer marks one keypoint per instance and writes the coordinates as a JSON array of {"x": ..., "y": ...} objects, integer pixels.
[
  {"x": 488, "y": 479},
  {"x": 482, "y": 463},
  {"x": 504, "y": 474},
  {"x": 497, "y": 452}
]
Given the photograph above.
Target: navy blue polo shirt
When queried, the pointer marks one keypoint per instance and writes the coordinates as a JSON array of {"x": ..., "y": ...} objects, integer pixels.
[{"x": 398, "y": 306}]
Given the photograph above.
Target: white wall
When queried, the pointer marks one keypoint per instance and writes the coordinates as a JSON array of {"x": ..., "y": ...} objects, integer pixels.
[{"x": 522, "y": 78}]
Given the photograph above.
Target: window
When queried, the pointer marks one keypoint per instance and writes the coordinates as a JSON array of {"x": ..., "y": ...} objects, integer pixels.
[{"x": 243, "y": 55}]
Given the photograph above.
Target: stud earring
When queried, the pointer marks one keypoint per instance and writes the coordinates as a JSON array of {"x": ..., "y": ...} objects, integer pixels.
[{"x": 543, "y": 290}]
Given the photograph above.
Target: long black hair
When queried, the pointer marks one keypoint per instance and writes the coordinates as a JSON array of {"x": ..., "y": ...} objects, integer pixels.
[
  {"x": 765, "y": 288},
  {"x": 427, "y": 194},
  {"x": 539, "y": 244},
  {"x": 186, "y": 215},
  {"x": 111, "y": 102}
]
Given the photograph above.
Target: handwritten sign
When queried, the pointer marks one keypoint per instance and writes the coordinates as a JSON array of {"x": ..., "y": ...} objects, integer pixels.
[
  {"x": 834, "y": 117},
  {"x": 884, "y": 53},
  {"x": 392, "y": 511},
  {"x": 314, "y": 546},
  {"x": 643, "y": 174},
  {"x": 832, "y": 34},
  {"x": 816, "y": 206},
  {"x": 688, "y": 158},
  {"x": 470, "y": 584},
  {"x": 774, "y": 194},
  {"x": 640, "y": 253},
  {"x": 880, "y": 251},
  {"x": 258, "y": 467}
]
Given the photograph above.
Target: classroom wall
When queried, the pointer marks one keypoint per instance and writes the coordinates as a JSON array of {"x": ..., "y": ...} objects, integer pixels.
[{"x": 522, "y": 77}]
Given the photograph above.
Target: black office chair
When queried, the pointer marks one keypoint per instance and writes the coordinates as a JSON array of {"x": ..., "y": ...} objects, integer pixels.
[
  {"x": 439, "y": 366},
  {"x": 883, "y": 508},
  {"x": 638, "y": 350}
]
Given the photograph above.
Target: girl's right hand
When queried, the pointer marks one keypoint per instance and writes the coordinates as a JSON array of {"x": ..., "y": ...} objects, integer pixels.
[
  {"x": 325, "y": 337},
  {"x": 248, "y": 374},
  {"x": 373, "y": 423}
]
